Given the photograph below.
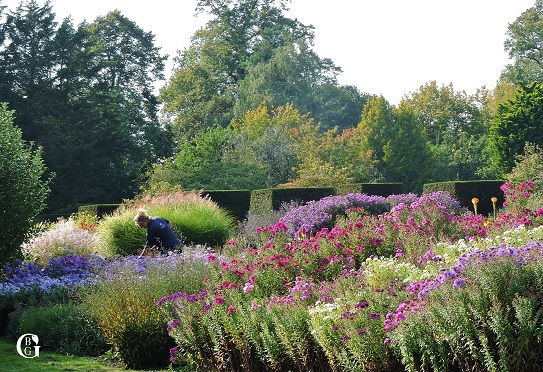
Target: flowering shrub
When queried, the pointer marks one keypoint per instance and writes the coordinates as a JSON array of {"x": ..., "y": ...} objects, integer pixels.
[
  {"x": 486, "y": 311},
  {"x": 59, "y": 272},
  {"x": 62, "y": 238},
  {"x": 340, "y": 295},
  {"x": 419, "y": 286},
  {"x": 315, "y": 215}
]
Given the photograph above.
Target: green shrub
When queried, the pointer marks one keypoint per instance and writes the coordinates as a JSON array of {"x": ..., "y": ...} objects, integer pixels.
[
  {"x": 22, "y": 188},
  {"x": 17, "y": 301},
  {"x": 62, "y": 328}
]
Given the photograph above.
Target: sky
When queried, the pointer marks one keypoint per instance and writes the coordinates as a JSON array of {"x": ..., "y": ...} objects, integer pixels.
[{"x": 384, "y": 47}]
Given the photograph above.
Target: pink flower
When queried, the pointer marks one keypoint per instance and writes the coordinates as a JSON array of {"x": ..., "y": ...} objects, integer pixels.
[
  {"x": 211, "y": 257},
  {"x": 248, "y": 288},
  {"x": 218, "y": 300},
  {"x": 231, "y": 309},
  {"x": 254, "y": 305}
]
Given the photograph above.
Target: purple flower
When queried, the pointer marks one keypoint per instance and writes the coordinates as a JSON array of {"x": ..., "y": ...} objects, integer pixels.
[
  {"x": 375, "y": 316},
  {"x": 172, "y": 325},
  {"x": 458, "y": 282}
]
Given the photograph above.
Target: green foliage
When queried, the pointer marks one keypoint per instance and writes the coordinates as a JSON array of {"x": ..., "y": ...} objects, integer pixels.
[
  {"x": 264, "y": 139},
  {"x": 23, "y": 189},
  {"x": 516, "y": 123},
  {"x": 62, "y": 328},
  {"x": 97, "y": 210},
  {"x": 16, "y": 302},
  {"x": 204, "y": 86},
  {"x": 84, "y": 94},
  {"x": 294, "y": 74},
  {"x": 202, "y": 164},
  {"x": 123, "y": 305},
  {"x": 524, "y": 44},
  {"x": 407, "y": 157},
  {"x": 493, "y": 322},
  {"x": 397, "y": 144}
]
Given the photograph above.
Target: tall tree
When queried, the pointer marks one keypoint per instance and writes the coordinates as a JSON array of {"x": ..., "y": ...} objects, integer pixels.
[
  {"x": 204, "y": 87},
  {"x": 86, "y": 96},
  {"x": 117, "y": 111},
  {"x": 455, "y": 124},
  {"x": 517, "y": 122},
  {"x": 524, "y": 44},
  {"x": 400, "y": 147},
  {"x": 296, "y": 75},
  {"x": 27, "y": 62}
]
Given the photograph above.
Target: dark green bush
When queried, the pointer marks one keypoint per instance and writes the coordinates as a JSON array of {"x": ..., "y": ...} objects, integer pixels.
[
  {"x": 22, "y": 188},
  {"x": 464, "y": 191},
  {"x": 237, "y": 202},
  {"x": 98, "y": 210},
  {"x": 62, "y": 328}
]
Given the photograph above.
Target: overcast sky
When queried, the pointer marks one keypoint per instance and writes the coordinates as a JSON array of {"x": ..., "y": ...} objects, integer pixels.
[{"x": 387, "y": 47}]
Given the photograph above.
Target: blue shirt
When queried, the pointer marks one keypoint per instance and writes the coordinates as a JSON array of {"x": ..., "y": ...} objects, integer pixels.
[{"x": 159, "y": 234}]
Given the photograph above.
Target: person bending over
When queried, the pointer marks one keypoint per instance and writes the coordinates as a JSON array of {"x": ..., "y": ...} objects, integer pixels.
[{"x": 159, "y": 232}]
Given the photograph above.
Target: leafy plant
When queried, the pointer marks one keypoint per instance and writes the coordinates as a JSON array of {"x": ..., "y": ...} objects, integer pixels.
[
  {"x": 63, "y": 328},
  {"x": 22, "y": 187}
]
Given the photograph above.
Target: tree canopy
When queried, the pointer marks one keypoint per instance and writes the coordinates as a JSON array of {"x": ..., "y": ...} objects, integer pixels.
[{"x": 85, "y": 94}]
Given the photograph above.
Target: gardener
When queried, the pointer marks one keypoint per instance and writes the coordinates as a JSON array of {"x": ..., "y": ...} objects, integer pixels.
[{"x": 159, "y": 232}]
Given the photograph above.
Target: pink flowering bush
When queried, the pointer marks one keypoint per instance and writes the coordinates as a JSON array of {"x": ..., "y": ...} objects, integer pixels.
[{"x": 343, "y": 297}]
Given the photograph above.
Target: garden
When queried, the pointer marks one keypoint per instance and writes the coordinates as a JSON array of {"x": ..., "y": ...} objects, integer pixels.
[{"x": 346, "y": 283}]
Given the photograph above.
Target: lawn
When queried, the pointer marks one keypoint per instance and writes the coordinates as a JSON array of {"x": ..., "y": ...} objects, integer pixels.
[{"x": 11, "y": 361}]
